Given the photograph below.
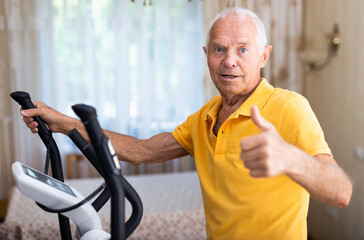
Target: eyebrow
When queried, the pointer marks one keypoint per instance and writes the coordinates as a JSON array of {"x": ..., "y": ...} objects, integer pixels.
[
  {"x": 245, "y": 43},
  {"x": 215, "y": 44}
]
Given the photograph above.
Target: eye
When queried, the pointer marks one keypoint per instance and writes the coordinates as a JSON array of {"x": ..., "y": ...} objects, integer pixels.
[
  {"x": 243, "y": 50},
  {"x": 219, "y": 49}
]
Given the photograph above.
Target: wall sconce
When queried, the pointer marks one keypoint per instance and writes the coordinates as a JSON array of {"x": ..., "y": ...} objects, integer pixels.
[{"x": 333, "y": 46}]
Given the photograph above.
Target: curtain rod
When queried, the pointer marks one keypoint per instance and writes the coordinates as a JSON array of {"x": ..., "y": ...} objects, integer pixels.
[
  {"x": 229, "y": 3},
  {"x": 145, "y": 2}
]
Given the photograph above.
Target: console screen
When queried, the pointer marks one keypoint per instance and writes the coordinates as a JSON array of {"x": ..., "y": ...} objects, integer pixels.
[{"x": 48, "y": 180}]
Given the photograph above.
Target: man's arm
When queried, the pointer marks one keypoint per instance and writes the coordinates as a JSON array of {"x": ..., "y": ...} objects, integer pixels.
[
  {"x": 161, "y": 147},
  {"x": 268, "y": 154},
  {"x": 323, "y": 179}
]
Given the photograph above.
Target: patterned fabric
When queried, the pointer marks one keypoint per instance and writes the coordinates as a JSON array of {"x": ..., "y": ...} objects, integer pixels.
[{"x": 172, "y": 210}]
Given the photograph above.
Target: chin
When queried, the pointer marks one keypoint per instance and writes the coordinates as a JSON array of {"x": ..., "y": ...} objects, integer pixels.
[{"x": 229, "y": 91}]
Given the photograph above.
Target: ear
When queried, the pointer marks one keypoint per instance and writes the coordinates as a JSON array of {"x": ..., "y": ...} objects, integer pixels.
[
  {"x": 204, "y": 49},
  {"x": 265, "y": 55}
]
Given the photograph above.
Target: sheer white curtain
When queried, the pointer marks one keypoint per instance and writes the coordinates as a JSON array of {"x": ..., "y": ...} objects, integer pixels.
[
  {"x": 283, "y": 20},
  {"x": 17, "y": 67},
  {"x": 140, "y": 66}
]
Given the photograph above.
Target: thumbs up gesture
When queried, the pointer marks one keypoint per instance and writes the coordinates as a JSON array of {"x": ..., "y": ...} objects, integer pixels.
[{"x": 266, "y": 154}]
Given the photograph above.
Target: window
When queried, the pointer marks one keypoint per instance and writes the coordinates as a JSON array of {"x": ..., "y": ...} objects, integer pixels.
[{"x": 140, "y": 66}]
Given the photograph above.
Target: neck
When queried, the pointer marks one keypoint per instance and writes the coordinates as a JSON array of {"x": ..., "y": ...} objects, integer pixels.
[{"x": 232, "y": 103}]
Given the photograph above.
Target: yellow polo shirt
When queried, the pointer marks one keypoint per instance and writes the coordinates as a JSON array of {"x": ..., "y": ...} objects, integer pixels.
[{"x": 238, "y": 206}]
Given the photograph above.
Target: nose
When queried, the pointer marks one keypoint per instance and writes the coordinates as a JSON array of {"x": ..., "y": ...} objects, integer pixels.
[{"x": 230, "y": 60}]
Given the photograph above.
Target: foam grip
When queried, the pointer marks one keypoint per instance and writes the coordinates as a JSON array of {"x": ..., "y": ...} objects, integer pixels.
[
  {"x": 23, "y": 99},
  {"x": 85, "y": 112}
]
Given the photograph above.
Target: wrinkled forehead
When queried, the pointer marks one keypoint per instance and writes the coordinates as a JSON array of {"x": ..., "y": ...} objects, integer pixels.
[{"x": 233, "y": 28}]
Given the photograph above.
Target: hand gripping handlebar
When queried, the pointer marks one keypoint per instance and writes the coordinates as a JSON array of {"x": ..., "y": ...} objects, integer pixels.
[{"x": 45, "y": 134}]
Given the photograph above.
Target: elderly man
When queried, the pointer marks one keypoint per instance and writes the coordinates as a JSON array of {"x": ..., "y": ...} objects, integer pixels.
[{"x": 259, "y": 151}]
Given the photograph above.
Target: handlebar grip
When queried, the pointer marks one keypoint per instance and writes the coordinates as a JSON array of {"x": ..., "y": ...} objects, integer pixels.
[
  {"x": 98, "y": 139},
  {"x": 85, "y": 112},
  {"x": 88, "y": 116},
  {"x": 23, "y": 98}
]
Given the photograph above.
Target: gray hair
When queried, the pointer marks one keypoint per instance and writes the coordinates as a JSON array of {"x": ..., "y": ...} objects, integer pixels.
[{"x": 260, "y": 38}]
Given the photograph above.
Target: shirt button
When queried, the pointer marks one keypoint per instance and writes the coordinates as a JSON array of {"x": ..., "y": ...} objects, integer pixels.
[{"x": 210, "y": 135}]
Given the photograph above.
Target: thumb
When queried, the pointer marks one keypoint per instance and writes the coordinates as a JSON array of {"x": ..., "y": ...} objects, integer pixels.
[
  {"x": 260, "y": 121},
  {"x": 30, "y": 112}
]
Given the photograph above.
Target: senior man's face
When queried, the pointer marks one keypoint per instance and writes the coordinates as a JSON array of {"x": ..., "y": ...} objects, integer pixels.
[{"x": 233, "y": 57}]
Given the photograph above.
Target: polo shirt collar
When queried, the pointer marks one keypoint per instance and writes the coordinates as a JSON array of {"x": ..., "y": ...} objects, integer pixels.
[
  {"x": 259, "y": 97},
  {"x": 212, "y": 113}
]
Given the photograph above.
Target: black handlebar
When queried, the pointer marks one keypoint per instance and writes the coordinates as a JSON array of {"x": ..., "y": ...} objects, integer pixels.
[
  {"x": 104, "y": 160},
  {"x": 109, "y": 164},
  {"x": 100, "y": 143},
  {"x": 45, "y": 134},
  {"x": 130, "y": 193}
]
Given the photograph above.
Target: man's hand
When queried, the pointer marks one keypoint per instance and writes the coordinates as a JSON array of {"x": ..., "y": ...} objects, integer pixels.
[
  {"x": 268, "y": 154},
  {"x": 56, "y": 121},
  {"x": 265, "y": 154}
]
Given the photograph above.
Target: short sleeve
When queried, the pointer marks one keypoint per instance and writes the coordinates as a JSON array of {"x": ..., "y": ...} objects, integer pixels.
[
  {"x": 299, "y": 126},
  {"x": 183, "y": 134}
]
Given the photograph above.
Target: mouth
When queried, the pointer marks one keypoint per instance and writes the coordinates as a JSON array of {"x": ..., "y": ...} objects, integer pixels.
[{"x": 228, "y": 76}]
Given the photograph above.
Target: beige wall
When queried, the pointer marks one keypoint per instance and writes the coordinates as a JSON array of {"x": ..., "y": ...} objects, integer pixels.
[
  {"x": 337, "y": 97},
  {"x": 6, "y": 140}
]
